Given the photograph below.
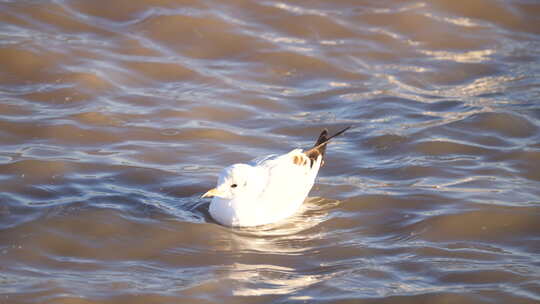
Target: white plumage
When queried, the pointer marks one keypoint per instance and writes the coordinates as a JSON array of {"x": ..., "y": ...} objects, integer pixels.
[{"x": 266, "y": 191}]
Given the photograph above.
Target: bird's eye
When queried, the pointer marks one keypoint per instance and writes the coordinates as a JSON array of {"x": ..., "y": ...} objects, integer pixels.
[{"x": 234, "y": 185}]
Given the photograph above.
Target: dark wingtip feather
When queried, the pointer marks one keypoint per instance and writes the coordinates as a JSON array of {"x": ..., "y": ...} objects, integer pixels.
[
  {"x": 323, "y": 137},
  {"x": 320, "y": 146}
]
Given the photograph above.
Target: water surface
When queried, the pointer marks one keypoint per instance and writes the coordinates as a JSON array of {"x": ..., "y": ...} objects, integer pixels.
[{"x": 115, "y": 116}]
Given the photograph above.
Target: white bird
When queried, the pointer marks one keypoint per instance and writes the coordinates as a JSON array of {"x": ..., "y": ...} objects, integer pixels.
[{"x": 267, "y": 190}]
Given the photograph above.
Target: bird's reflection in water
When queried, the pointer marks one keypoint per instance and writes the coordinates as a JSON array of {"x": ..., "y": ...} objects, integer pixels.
[{"x": 263, "y": 256}]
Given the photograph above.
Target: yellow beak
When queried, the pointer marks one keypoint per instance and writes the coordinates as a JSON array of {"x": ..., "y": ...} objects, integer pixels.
[{"x": 211, "y": 193}]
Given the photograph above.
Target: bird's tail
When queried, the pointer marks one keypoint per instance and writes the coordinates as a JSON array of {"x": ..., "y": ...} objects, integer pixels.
[{"x": 320, "y": 146}]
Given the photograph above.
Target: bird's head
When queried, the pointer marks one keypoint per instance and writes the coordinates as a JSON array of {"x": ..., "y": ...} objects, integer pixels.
[{"x": 238, "y": 180}]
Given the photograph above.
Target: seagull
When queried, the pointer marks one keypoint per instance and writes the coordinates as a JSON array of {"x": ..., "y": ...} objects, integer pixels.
[{"x": 267, "y": 189}]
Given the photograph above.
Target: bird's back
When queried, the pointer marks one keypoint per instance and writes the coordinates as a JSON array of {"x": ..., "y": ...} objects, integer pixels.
[{"x": 291, "y": 177}]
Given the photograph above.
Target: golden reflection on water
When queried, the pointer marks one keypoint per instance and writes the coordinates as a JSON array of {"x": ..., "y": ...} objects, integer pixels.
[
  {"x": 280, "y": 280},
  {"x": 464, "y": 57},
  {"x": 284, "y": 240}
]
